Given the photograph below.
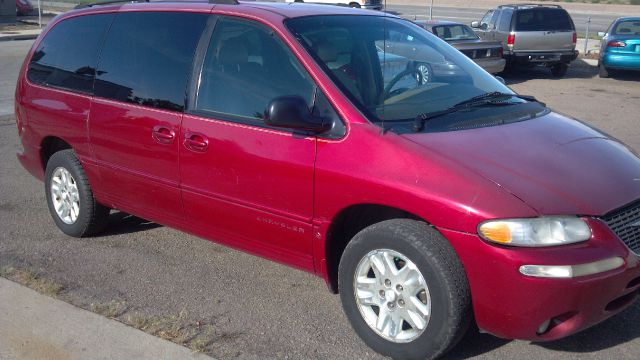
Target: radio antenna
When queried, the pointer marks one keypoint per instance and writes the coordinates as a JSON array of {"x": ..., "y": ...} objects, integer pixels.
[{"x": 384, "y": 60}]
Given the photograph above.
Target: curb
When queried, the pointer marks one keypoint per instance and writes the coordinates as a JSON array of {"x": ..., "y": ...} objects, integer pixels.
[{"x": 18, "y": 37}]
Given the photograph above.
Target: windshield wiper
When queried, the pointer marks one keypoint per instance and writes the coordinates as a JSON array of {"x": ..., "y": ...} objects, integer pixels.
[{"x": 490, "y": 98}]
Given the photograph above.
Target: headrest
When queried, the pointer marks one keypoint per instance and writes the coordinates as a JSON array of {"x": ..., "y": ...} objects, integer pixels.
[
  {"x": 326, "y": 51},
  {"x": 233, "y": 52}
]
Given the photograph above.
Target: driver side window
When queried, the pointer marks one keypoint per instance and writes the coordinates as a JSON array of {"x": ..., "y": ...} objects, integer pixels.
[
  {"x": 245, "y": 67},
  {"x": 486, "y": 19}
]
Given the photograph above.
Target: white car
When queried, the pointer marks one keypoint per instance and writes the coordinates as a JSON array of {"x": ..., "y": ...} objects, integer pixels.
[{"x": 365, "y": 4}]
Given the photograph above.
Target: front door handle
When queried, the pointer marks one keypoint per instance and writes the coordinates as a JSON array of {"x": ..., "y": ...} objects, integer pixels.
[
  {"x": 163, "y": 134},
  {"x": 196, "y": 142}
]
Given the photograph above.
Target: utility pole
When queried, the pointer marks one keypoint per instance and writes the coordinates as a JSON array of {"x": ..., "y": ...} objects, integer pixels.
[
  {"x": 7, "y": 11},
  {"x": 586, "y": 37},
  {"x": 431, "y": 10}
]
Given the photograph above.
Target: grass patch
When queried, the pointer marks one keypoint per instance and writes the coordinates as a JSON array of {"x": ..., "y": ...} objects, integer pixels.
[
  {"x": 197, "y": 336},
  {"x": 33, "y": 280},
  {"x": 111, "y": 309}
]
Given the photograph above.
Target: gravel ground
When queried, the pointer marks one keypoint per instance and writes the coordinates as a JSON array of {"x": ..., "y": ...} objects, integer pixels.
[{"x": 259, "y": 309}]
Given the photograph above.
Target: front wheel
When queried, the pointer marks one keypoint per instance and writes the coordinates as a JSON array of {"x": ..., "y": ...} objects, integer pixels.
[
  {"x": 69, "y": 197},
  {"x": 404, "y": 290},
  {"x": 354, "y": 5}
]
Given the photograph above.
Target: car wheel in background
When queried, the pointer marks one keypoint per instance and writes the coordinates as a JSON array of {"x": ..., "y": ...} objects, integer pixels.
[
  {"x": 603, "y": 72},
  {"x": 354, "y": 5},
  {"x": 559, "y": 70},
  {"x": 69, "y": 197},
  {"x": 404, "y": 289}
]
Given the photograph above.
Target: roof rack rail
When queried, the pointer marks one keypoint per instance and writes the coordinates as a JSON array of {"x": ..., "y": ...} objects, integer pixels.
[
  {"x": 517, "y": 6},
  {"x": 99, "y": 3},
  {"x": 110, "y": 2}
]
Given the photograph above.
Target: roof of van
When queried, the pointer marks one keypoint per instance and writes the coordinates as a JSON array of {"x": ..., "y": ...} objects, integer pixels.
[{"x": 255, "y": 8}]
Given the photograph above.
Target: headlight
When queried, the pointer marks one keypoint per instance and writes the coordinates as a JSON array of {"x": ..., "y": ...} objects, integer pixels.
[{"x": 543, "y": 231}]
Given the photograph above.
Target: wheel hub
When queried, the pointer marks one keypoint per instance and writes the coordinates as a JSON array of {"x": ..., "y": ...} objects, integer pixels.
[
  {"x": 392, "y": 295},
  {"x": 65, "y": 195}
]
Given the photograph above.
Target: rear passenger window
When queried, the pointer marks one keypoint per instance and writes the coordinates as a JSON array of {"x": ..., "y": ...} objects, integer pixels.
[
  {"x": 147, "y": 58},
  {"x": 67, "y": 56},
  {"x": 504, "y": 24},
  {"x": 247, "y": 66}
]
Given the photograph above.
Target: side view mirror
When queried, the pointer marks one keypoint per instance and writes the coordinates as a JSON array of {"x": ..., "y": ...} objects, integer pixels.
[
  {"x": 292, "y": 112},
  {"x": 602, "y": 33},
  {"x": 475, "y": 24},
  {"x": 501, "y": 79}
]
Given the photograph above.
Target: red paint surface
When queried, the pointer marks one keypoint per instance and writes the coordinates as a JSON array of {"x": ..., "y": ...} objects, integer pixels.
[{"x": 276, "y": 195}]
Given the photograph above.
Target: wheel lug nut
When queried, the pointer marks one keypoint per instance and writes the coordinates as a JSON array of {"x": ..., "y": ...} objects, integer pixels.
[
  {"x": 401, "y": 302},
  {"x": 391, "y": 305},
  {"x": 387, "y": 282},
  {"x": 381, "y": 293},
  {"x": 399, "y": 287}
]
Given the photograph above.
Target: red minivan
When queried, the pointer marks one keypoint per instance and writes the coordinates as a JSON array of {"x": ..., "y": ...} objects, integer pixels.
[{"x": 351, "y": 144}]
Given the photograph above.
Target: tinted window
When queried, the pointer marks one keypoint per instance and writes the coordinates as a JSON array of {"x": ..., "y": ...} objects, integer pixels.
[
  {"x": 454, "y": 32},
  {"x": 543, "y": 19},
  {"x": 487, "y": 17},
  {"x": 247, "y": 66},
  {"x": 494, "y": 19},
  {"x": 147, "y": 58},
  {"x": 627, "y": 27},
  {"x": 67, "y": 56},
  {"x": 504, "y": 24}
]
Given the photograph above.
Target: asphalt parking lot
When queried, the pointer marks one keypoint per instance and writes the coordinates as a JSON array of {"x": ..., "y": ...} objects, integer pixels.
[{"x": 258, "y": 309}]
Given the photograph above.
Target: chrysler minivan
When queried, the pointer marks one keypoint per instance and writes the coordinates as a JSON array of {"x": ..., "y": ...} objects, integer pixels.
[{"x": 429, "y": 197}]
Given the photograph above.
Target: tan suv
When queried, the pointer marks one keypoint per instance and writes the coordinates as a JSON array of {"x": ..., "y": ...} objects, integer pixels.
[{"x": 531, "y": 35}]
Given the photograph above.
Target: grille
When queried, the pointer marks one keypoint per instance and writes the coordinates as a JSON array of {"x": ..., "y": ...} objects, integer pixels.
[{"x": 625, "y": 222}]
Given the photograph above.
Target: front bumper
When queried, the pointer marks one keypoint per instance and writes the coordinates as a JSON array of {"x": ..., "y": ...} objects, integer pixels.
[
  {"x": 492, "y": 65},
  {"x": 511, "y": 305},
  {"x": 621, "y": 61}
]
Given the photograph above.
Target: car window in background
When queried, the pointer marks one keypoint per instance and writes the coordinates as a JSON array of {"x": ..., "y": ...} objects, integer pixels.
[
  {"x": 247, "y": 66},
  {"x": 390, "y": 68},
  {"x": 543, "y": 19},
  {"x": 627, "y": 27},
  {"x": 504, "y": 24},
  {"x": 147, "y": 58},
  {"x": 454, "y": 32},
  {"x": 494, "y": 19},
  {"x": 66, "y": 64},
  {"x": 487, "y": 18}
]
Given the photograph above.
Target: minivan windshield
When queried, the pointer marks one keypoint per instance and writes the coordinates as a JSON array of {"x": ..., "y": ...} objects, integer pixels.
[
  {"x": 543, "y": 19},
  {"x": 396, "y": 71}
]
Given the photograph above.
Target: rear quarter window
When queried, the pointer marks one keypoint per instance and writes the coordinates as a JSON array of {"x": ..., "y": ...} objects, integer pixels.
[
  {"x": 543, "y": 19},
  {"x": 67, "y": 56},
  {"x": 147, "y": 57},
  {"x": 627, "y": 27}
]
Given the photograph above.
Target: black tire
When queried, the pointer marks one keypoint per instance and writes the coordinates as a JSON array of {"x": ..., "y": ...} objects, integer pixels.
[
  {"x": 92, "y": 216},
  {"x": 354, "y": 5},
  {"x": 559, "y": 70},
  {"x": 603, "y": 72},
  {"x": 445, "y": 277}
]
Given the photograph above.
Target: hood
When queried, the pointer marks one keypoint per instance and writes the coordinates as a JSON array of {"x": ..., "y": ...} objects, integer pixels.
[{"x": 556, "y": 165}]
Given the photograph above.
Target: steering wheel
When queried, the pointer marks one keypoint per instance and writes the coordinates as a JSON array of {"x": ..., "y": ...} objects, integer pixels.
[{"x": 421, "y": 72}]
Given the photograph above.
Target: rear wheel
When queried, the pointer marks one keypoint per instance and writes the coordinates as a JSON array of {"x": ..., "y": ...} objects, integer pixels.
[
  {"x": 603, "y": 72},
  {"x": 69, "y": 197},
  {"x": 559, "y": 70},
  {"x": 404, "y": 290}
]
